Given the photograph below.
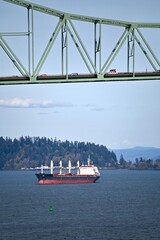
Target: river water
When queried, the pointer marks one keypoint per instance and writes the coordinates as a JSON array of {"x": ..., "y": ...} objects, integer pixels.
[{"x": 122, "y": 205}]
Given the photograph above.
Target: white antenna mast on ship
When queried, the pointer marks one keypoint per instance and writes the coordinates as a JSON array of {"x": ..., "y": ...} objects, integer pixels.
[
  {"x": 60, "y": 166},
  {"x": 42, "y": 169},
  {"x": 88, "y": 161},
  {"x": 69, "y": 166},
  {"x": 51, "y": 166},
  {"x": 77, "y": 167}
]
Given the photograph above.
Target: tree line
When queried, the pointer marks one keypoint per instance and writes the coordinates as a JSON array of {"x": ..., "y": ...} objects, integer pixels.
[
  {"x": 139, "y": 163},
  {"x": 31, "y": 152}
]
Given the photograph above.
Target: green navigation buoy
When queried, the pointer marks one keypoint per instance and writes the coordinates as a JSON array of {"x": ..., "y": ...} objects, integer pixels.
[{"x": 51, "y": 209}]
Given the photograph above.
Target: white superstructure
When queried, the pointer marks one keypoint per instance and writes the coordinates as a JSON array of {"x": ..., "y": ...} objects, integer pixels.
[{"x": 89, "y": 170}]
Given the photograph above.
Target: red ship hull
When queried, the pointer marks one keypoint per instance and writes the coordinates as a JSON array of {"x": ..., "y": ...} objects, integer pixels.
[{"x": 65, "y": 179}]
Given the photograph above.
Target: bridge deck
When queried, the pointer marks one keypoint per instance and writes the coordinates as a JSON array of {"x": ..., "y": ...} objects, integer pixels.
[{"x": 75, "y": 77}]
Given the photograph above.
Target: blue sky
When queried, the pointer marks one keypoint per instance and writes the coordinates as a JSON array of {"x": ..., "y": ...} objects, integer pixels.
[{"x": 117, "y": 115}]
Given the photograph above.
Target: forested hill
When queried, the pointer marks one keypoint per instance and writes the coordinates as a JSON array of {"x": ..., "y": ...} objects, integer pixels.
[{"x": 31, "y": 152}]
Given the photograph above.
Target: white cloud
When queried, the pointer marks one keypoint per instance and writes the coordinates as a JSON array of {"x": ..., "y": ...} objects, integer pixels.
[
  {"x": 98, "y": 109},
  {"x": 31, "y": 103},
  {"x": 93, "y": 107}
]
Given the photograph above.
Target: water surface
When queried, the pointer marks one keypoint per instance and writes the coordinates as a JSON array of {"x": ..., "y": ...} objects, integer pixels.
[{"x": 122, "y": 205}]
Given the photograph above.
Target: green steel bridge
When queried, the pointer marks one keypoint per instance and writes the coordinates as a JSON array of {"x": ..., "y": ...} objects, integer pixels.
[{"x": 98, "y": 60}]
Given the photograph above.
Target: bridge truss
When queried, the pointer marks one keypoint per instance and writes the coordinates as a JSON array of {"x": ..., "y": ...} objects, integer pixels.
[{"x": 97, "y": 62}]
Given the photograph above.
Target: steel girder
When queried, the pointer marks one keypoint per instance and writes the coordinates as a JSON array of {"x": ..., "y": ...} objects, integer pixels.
[{"x": 65, "y": 26}]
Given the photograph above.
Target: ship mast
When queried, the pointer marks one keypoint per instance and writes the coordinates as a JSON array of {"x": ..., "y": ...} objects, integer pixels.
[
  {"x": 41, "y": 169},
  {"x": 69, "y": 166},
  {"x": 60, "y": 166},
  {"x": 51, "y": 166},
  {"x": 77, "y": 167},
  {"x": 88, "y": 161}
]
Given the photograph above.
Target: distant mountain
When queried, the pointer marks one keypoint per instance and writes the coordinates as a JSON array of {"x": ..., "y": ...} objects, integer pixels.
[{"x": 137, "y": 152}]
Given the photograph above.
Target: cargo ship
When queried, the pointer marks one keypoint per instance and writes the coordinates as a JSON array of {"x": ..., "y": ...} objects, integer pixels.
[{"x": 85, "y": 174}]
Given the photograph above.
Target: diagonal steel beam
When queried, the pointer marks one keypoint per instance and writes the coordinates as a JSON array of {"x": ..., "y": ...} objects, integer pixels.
[
  {"x": 13, "y": 57},
  {"x": 97, "y": 45},
  {"x": 148, "y": 47},
  {"x": 48, "y": 47},
  {"x": 79, "y": 50},
  {"x": 84, "y": 49},
  {"x": 115, "y": 50},
  {"x": 145, "y": 53}
]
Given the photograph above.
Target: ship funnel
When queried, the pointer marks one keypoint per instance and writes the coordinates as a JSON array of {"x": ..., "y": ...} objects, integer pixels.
[{"x": 51, "y": 166}]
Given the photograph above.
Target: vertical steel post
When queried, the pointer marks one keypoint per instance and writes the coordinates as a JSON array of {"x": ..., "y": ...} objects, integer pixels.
[
  {"x": 131, "y": 50},
  {"x": 128, "y": 51},
  {"x": 100, "y": 46},
  {"x": 29, "y": 47},
  {"x": 95, "y": 43},
  {"x": 32, "y": 42},
  {"x": 62, "y": 53},
  {"x": 133, "y": 32},
  {"x": 66, "y": 24},
  {"x": 64, "y": 45}
]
